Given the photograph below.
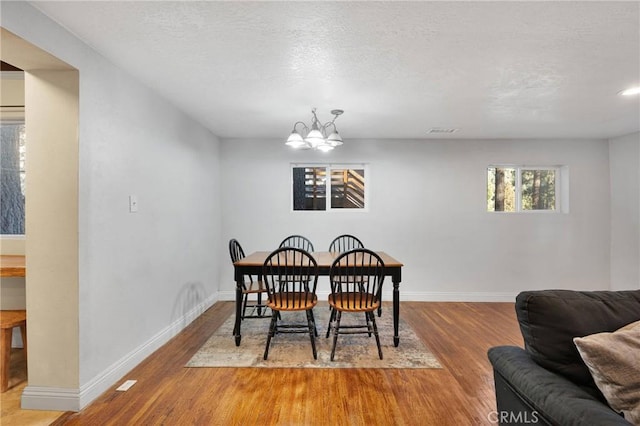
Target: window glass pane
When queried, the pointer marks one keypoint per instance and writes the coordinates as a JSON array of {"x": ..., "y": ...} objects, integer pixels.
[
  {"x": 12, "y": 175},
  {"x": 347, "y": 188},
  {"x": 309, "y": 188},
  {"x": 538, "y": 189},
  {"x": 501, "y": 189}
]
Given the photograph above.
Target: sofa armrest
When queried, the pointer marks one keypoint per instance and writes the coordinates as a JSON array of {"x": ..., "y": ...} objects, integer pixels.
[{"x": 521, "y": 384}]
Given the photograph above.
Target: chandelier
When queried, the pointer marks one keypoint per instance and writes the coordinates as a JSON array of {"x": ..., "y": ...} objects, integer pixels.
[{"x": 318, "y": 136}]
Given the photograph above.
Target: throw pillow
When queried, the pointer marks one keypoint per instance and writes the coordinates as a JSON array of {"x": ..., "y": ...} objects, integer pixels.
[{"x": 614, "y": 362}]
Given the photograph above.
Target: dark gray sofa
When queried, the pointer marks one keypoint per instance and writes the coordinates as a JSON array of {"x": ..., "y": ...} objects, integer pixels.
[{"x": 547, "y": 382}]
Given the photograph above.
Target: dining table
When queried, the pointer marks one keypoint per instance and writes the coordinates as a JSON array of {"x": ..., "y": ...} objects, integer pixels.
[
  {"x": 252, "y": 265},
  {"x": 12, "y": 266}
]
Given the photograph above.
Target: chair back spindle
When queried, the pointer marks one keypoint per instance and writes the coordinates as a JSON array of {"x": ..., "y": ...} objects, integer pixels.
[
  {"x": 235, "y": 250},
  {"x": 291, "y": 277},
  {"x": 356, "y": 279},
  {"x": 298, "y": 241},
  {"x": 344, "y": 243}
]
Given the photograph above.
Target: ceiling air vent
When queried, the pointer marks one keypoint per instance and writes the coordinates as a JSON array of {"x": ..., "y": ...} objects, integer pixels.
[{"x": 440, "y": 131}]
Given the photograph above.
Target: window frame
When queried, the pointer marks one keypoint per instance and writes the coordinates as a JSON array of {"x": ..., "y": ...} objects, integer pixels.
[
  {"x": 328, "y": 168},
  {"x": 15, "y": 114},
  {"x": 561, "y": 175},
  {"x": 18, "y": 119}
]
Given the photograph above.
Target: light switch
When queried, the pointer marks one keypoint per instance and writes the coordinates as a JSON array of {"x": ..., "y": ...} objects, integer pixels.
[{"x": 133, "y": 203}]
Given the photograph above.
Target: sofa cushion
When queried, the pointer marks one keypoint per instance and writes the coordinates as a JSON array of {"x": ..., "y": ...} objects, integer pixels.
[
  {"x": 614, "y": 362},
  {"x": 536, "y": 394},
  {"x": 550, "y": 319}
]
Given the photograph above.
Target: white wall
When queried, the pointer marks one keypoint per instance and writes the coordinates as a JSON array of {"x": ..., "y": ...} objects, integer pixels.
[
  {"x": 624, "y": 155},
  {"x": 140, "y": 272},
  {"x": 428, "y": 209},
  {"x": 142, "y": 276}
]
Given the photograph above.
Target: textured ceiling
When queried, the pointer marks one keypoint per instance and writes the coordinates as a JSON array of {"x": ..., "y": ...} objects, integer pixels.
[{"x": 490, "y": 69}]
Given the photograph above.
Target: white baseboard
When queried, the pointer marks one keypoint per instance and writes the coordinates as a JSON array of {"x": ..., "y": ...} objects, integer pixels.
[
  {"x": 50, "y": 399},
  {"x": 421, "y": 296},
  {"x": 63, "y": 399}
]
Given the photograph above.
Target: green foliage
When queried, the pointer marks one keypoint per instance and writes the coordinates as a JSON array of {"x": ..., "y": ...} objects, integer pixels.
[
  {"x": 537, "y": 190},
  {"x": 540, "y": 196}
]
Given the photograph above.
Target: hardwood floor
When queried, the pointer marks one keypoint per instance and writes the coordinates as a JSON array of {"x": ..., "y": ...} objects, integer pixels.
[{"x": 461, "y": 393}]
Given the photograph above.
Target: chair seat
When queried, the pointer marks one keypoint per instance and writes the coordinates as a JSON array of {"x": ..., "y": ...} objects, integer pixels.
[
  {"x": 292, "y": 301},
  {"x": 353, "y": 302}
]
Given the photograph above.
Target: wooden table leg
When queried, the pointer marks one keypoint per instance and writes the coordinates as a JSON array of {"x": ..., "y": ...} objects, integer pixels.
[
  {"x": 23, "y": 333},
  {"x": 236, "y": 327},
  {"x": 5, "y": 340},
  {"x": 396, "y": 311}
]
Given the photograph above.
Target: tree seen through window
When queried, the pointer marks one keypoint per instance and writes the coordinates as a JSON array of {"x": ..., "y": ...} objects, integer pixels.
[{"x": 512, "y": 189}]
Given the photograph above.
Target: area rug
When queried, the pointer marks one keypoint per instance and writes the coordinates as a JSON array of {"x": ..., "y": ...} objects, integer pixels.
[{"x": 294, "y": 350}]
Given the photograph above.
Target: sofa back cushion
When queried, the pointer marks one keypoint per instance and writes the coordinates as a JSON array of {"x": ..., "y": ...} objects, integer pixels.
[{"x": 550, "y": 319}]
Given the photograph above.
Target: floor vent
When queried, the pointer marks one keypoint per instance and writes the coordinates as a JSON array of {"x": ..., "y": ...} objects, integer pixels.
[{"x": 441, "y": 130}]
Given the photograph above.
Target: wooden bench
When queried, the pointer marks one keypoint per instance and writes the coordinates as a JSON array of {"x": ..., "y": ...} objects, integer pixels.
[{"x": 9, "y": 320}]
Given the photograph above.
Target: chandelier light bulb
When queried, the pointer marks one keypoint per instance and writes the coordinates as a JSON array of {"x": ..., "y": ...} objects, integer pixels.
[
  {"x": 334, "y": 139},
  {"x": 325, "y": 148},
  {"x": 295, "y": 140},
  {"x": 315, "y": 136}
]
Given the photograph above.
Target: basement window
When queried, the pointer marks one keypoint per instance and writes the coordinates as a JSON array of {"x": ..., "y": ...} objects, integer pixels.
[
  {"x": 329, "y": 187},
  {"x": 527, "y": 189}
]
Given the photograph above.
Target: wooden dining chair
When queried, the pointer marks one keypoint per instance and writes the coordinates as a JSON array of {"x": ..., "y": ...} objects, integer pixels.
[
  {"x": 356, "y": 279},
  {"x": 340, "y": 244},
  {"x": 345, "y": 242},
  {"x": 258, "y": 309},
  {"x": 291, "y": 276},
  {"x": 301, "y": 242},
  {"x": 298, "y": 241}
]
